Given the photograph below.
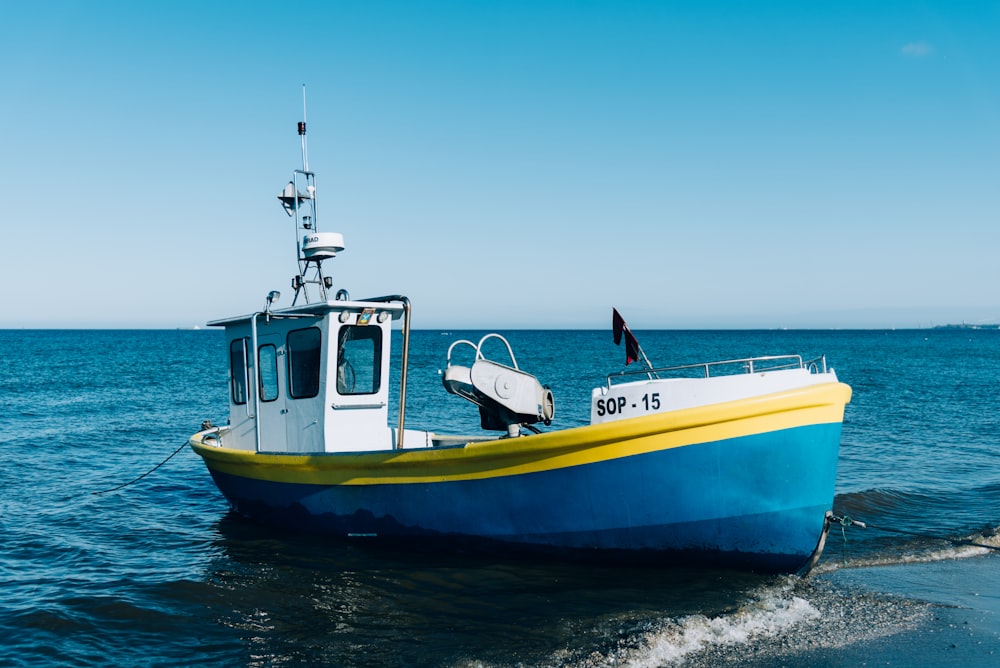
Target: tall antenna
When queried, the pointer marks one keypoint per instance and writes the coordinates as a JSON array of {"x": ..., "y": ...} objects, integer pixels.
[
  {"x": 302, "y": 133},
  {"x": 312, "y": 245}
]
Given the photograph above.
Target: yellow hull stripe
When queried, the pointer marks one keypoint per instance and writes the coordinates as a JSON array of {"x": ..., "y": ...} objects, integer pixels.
[{"x": 818, "y": 404}]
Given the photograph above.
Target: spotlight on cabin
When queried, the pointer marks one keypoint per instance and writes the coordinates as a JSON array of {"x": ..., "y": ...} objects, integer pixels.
[{"x": 272, "y": 297}]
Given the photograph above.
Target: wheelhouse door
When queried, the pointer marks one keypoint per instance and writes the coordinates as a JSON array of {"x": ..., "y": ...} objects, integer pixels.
[{"x": 272, "y": 411}]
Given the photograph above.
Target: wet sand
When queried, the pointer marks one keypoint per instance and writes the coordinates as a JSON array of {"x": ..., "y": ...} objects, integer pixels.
[
  {"x": 950, "y": 637},
  {"x": 941, "y": 613}
]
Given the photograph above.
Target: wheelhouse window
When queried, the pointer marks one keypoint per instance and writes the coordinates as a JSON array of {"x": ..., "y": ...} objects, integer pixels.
[
  {"x": 359, "y": 360},
  {"x": 267, "y": 362},
  {"x": 238, "y": 370},
  {"x": 303, "y": 362}
]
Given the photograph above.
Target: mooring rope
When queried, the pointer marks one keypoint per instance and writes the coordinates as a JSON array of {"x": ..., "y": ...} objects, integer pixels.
[
  {"x": 846, "y": 521},
  {"x": 132, "y": 482}
]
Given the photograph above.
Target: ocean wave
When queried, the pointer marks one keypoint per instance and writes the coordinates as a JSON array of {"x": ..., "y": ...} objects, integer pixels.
[
  {"x": 792, "y": 616},
  {"x": 924, "y": 549},
  {"x": 907, "y": 521}
]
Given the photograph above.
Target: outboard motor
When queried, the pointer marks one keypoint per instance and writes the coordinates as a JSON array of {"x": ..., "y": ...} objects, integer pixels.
[{"x": 508, "y": 398}]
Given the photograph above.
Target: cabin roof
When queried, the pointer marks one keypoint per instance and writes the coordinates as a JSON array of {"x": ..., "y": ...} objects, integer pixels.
[{"x": 316, "y": 309}]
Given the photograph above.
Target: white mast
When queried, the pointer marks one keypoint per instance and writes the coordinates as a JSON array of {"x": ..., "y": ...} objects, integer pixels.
[{"x": 313, "y": 246}]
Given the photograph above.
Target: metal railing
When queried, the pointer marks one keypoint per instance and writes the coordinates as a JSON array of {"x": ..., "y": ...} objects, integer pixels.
[{"x": 734, "y": 367}]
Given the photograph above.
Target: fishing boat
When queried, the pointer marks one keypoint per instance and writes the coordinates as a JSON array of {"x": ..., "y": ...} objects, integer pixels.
[{"x": 731, "y": 463}]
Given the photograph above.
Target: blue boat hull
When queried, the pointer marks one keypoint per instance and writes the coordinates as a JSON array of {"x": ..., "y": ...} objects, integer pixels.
[{"x": 752, "y": 501}]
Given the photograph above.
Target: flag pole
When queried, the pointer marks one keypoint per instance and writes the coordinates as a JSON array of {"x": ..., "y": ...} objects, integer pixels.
[
  {"x": 646, "y": 360},
  {"x": 649, "y": 367}
]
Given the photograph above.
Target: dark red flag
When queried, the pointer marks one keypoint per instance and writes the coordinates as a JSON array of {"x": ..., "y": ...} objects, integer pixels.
[{"x": 618, "y": 327}]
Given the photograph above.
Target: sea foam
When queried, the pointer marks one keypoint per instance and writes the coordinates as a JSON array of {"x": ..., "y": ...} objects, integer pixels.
[
  {"x": 786, "y": 617},
  {"x": 763, "y": 618}
]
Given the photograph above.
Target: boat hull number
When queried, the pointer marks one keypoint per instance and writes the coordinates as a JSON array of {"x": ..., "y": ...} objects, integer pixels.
[{"x": 646, "y": 403}]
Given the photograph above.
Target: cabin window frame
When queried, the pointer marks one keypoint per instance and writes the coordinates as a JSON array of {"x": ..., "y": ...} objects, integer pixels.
[
  {"x": 268, "y": 386},
  {"x": 355, "y": 362},
  {"x": 238, "y": 390},
  {"x": 304, "y": 362}
]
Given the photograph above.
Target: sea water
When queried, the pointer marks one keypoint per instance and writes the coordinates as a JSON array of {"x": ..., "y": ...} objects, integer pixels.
[{"x": 159, "y": 572}]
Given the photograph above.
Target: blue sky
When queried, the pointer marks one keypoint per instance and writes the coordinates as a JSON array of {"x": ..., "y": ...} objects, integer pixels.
[{"x": 506, "y": 164}]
